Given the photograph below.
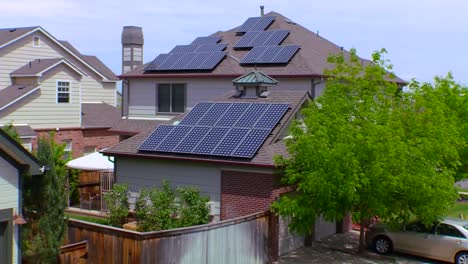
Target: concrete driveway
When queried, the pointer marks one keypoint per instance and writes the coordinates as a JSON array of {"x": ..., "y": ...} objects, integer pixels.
[{"x": 342, "y": 248}]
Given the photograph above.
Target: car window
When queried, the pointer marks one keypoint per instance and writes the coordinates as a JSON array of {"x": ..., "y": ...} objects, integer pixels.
[
  {"x": 417, "y": 227},
  {"x": 448, "y": 230}
]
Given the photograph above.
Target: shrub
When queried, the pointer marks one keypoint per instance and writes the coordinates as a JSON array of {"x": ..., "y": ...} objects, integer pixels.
[{"x": 117, "y": 204}]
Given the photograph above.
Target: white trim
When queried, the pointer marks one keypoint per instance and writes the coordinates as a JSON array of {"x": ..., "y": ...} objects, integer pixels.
[
  {"x": 151, "y": 118},
  {"x": 39, "y": 74},
  {"x": 69, "y": 91},
  {"x": 21, "y": 97},
  {"x": 39, "y": 41},
  {"x": 81, "y": 107},
  {"x": 104, "y": 78}
]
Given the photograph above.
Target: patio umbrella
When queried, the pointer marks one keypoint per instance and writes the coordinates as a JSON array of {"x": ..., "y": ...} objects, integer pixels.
[{"x": 92, "y": 162}]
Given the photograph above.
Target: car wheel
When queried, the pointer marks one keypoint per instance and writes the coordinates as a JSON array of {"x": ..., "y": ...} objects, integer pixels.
[
  {"x": 461, "y": 258},
  {"x": 383, "y": 245}
]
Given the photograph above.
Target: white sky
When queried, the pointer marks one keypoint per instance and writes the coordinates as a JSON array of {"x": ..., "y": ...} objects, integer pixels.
[{"x": 423, "y": 38}]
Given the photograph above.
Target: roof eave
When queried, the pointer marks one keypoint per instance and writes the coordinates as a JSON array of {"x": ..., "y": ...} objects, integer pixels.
[{"x": 195, "y": 75}]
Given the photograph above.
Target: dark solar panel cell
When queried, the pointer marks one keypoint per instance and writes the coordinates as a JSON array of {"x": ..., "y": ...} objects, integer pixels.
[
  {"x": 230, "y": 142},
  {"x": 263, "y": 23},
  {"x": 213, "y": 114},
  {"x": 275, "y": 38},
  {"x": 182, "y": 62},
  {"x": 158, "y": 135},
  {"x": 246, "y": 39},
  {"x": 269, "y": 54},
  {"x": 157, "y": 61},
  {"x": 261, "y": 38},
  {"x": 211, "y": 47},
  {"x": 174, "y": 137},
  {"x": 272, "y": 116},
  {"x": 253, "y": 54},
  {"x": 206, "y": 40},
  {"x": 251, "y": 143},
  {"x": 184, "y": 48},
  {"x": 171, "y": 60},
  {"x": 196, "y": 114},
  {"x": 248, "y": 24},
  {"x": 209, "y": 142},
  {"x": 191, "y": 140},
  {"x": 233, "y": 114},
  {"x": 285, "y": 54},
  {"x": 197, "y": 61},
  {"x": 213, "y": 59},
  {"x": 250, "y": 117}
]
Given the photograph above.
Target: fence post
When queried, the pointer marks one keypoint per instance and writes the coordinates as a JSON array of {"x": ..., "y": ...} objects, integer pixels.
[{"x": 273, "y": 236}]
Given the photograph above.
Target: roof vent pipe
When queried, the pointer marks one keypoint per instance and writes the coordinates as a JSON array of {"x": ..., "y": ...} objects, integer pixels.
[{"x": 262, "y": 10}]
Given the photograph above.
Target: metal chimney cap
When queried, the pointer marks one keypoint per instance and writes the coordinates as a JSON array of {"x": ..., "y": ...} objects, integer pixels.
[{"x": 132, "y": 35}]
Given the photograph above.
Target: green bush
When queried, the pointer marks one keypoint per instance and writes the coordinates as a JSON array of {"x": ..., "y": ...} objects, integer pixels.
[{"x": 117, "y": 204}]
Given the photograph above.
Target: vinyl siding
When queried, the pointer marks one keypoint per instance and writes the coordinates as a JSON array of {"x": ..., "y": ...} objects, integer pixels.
[
  {"x": 142, "y": 92},
  {"x": 41, "y": 110},
  {"x": 9, "y": 196},
  {"x": 18, "y": 54}
]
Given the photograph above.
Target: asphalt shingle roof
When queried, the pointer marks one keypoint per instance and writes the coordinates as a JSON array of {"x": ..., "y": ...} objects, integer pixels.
[
  {"x": 13, "y": 92},
  {"x": 35, "y": 66},
  {"x": 99, "y": 115}
]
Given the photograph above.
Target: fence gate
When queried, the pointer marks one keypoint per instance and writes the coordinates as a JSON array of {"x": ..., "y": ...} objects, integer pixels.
[{"x": 107, "y": 182}]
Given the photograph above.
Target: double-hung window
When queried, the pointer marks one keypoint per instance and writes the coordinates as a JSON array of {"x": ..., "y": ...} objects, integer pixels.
[
  {"x": 63, "y": 92},
  {"x": 171, "y": 97}
]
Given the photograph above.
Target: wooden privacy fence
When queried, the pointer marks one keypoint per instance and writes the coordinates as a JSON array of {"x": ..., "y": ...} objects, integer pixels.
[
  {"x": 74, "y": 253},
  {"x": 240, "y": 240}
]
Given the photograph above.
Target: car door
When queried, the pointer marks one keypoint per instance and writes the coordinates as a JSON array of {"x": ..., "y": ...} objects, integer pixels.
[
  {"x": 445, "y": 242},
  {"x": 411, "y": 239}
]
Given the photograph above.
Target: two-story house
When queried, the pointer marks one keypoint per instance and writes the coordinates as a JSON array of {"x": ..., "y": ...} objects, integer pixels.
[{"x": 47, "y": 85}]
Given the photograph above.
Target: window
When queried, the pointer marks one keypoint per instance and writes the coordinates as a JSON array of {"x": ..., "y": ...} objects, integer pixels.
[
  {"x": 171, "y": 97},
  {"x": 27, "y": 144},
  {"x": 36, "y": 41},
  {"x": 127, "y": 54},
  {"x": 126, "y": 69},
  {"x": 89, "y": 149},
  {"x": 137, "y": 54},
  {"x": 417, "y": 227},
  {"x": 63, "y": 92},
  {"x": 68, "y": 148},
  {"x": 448, "y": 230}
]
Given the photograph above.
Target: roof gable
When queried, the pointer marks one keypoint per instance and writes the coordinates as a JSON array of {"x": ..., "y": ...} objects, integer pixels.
[
  {"x": 40, "y": 66},
  {"x": 13, "y": 151}
]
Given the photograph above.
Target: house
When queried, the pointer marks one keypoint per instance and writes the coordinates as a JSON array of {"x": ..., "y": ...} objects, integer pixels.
[
  {"x": 175, "y": 81},
  {"x": 48, "y": 85},
  {"x": 225, "y": 147},
  {"x": 14, "y": 162}
]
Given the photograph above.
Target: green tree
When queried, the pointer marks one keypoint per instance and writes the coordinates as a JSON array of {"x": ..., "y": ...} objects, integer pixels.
[
  {"x": 117, "y": 204},
  {"x": 44, "y": 205},
  {"x": 11, "y": 131},
  {"x": 193, "y": 209},
  {"x": 369, "y": 148}
]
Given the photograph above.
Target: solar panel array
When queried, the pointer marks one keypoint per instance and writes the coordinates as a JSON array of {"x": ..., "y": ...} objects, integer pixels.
[
  {"x": 256, "y": 24},
  {"x": 261, "y": 38},
  {"x": 218, "y": 129},
  {"x": 203, "y": 54},
  {"x": 270, "y": 54}
]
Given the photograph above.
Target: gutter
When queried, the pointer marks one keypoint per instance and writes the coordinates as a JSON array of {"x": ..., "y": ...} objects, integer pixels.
[
  {"x": 200, "y": 75},
  {"x": 247, "y": 164}
]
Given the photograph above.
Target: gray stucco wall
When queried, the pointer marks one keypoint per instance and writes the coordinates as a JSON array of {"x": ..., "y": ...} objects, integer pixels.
[{"x": 142, "y": 92}]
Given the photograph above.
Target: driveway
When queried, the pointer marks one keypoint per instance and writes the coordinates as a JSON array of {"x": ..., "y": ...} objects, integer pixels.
[{"x": 341, "y": 248}]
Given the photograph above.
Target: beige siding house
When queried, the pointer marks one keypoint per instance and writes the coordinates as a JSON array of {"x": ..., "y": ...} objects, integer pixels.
[
  {"x": 14, "y": 161},
  {"x": 47, "y": 85}
]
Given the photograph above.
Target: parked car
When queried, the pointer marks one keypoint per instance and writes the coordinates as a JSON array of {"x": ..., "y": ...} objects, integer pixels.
[{"x": 446, "y": 240}]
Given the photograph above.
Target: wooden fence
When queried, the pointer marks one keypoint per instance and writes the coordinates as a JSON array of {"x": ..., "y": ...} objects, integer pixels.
[
  {"x": 240, "y": 240},
  {"x": 74, "y": 253}
]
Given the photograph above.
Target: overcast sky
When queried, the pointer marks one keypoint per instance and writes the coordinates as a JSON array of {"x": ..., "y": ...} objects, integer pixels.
[{"x": 423, "y": 38}]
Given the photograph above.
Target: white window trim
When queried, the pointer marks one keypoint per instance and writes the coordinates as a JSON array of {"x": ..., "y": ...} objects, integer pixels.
[
  {"x": 39, "y": 41},
  {"x": 70, "y": 149},
  {"x": 57, "y": 92}
]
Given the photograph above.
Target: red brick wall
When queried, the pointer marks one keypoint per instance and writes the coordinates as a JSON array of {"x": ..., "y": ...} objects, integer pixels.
[{"x": 101, "y": 138}]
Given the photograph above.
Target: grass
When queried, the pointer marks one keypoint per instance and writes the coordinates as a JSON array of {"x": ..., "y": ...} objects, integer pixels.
[
  {"x": 92, "y": 219},
  {"x": 457, "y": 209}
]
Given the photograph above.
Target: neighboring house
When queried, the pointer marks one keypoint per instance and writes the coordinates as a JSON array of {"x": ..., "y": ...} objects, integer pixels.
[
  {"x": 46, "y": 84},
  {"x": 226, "y": 148},
  {"x": 14, "y": 162},
  {"x": 174, "y": 82}
]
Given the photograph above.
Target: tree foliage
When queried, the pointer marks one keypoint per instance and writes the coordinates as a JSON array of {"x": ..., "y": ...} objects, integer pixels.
[
  {"x": 367, "y": 147},
  {"x": 166, "y": 208},
  {"x": 117, "y": 204},
  {"x": 44, "y": 205},
  {"x": 10, "y": 129}
]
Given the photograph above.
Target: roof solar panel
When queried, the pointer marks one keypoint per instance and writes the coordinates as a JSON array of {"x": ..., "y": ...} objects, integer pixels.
[
  {"x": 228, "y": 129},
  {"x": 211, "y": 47},
  {"x": 207, "y": 40},
  {"x": 270, "y": 54},
  {"x": 246, "y": 39},
  {"x": 170, "y": 61},
  {"x": 157, "y": 61},
  {"x": 175, "y": 136},
  {"x": 248, "y": 24},
  {"x": 213, "y": 59},
  {"x": 275, "y": 38},
  {"x": 263, "y": 23},
  {"x": 285, "y": 54},
  {"x": 253, "y": 54},
  {"x": 261, "y": 38},
  {"x": 197, "y": 61},
  {"x": 184, "y": 48},
  {"x": 183, "y": 61},
  {"x": 196, "y": 113},
  {"x": 158, "y": 135}
]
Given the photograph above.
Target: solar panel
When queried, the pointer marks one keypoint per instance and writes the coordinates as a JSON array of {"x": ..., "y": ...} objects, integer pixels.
[
  {"x": 276, "y": 38},
  {"x": 211, "y": 47},
  {"x": 183, "y": 61},
  {"x": 261, "y": 38},
  {"x": 229, "y": 129},
  {"x": 207, "y": 40},
  {"x": 170, "y": 61},
  {"x": 246, "y": 39},
  {"x": 270, "y": 54},
  {"x": 256, "y": 23},
  {"x": 213, "y": 59},
  {"x": 157, "y": 61},
  {"x": 184, "y": 48}
]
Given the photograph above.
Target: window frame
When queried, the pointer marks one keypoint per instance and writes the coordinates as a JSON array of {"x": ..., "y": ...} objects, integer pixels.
[
  {"x": 460, "y": 234},
  {"x": 171, "y": 111},
  {"x": 127, "y": 54},
  {"x": 38, "y": 41},
  {"x": 57, "y": 91}
]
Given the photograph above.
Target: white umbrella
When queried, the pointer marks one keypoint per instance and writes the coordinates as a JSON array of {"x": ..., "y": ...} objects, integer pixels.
[{"x": 93, "y": 162}]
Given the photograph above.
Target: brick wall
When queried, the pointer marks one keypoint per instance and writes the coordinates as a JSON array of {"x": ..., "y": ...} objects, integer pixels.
[{"x": 82, "y": 138}]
